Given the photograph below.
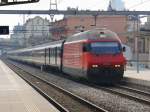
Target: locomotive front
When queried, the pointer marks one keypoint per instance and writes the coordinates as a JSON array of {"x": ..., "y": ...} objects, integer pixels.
[{"x": 103, "y": 57}]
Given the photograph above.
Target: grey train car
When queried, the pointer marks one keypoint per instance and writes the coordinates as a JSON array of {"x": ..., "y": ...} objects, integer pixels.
[{"x": 42, "y": 55}]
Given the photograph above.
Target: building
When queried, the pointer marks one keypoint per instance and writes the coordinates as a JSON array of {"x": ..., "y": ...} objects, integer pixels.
[
  {"x": 73, "y": 24},
  {"x": 34, "y": 31},
  {"x": 133, "y": 26},
  {"x": 18, "y": 36},
  {"x": 145, "y": 37},
  {"x": 137, "y": 39},
  {"x": 37, "y": 31}
]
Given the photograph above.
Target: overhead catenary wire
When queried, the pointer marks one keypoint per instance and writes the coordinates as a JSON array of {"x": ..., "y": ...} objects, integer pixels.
[{"x": 141, "y": 3}]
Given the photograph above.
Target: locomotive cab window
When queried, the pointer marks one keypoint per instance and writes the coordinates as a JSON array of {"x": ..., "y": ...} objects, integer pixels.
[
  {"x": 105, "y": 47},
  {"x": 102, "y": 47},
  {"x": 86, "y": 47}
]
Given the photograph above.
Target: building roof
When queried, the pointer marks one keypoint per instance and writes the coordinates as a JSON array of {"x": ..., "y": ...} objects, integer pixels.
[{"x": 36, "y": 17}]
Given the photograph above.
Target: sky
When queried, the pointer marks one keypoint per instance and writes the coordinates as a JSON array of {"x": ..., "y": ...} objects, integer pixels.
[{"x": 12, "y": 20}]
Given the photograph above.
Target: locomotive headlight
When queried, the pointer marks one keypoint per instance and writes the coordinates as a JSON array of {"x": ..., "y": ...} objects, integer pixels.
[
  {"x": 117, "y": 65},
  {"x": 94, "y": 66}
]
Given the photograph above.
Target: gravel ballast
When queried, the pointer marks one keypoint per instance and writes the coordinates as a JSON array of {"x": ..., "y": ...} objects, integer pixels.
[{"x": 111, "y": 102}]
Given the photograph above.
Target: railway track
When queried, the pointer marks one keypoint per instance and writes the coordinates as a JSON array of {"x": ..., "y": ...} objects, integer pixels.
[
  {"x": 85, "y": 105},
  {"x": 127, "y": 92},
  {"x": 142, "y": 92},
  {"x": 135, "y": 86}
]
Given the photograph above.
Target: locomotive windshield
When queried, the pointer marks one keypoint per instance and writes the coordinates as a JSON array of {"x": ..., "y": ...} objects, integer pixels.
[{"x": 103, "y": 47}]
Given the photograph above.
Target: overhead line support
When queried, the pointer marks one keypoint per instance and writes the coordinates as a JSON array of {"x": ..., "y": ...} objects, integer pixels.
[{"x": 74, "y": 12}]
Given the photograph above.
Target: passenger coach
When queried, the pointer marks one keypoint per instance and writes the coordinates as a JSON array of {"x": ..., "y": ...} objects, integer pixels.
[{"x": 48, "y": 54}]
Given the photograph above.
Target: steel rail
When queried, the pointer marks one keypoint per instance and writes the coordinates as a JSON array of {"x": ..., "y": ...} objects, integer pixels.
[
  {"x": 140, "y": 100},
  {"x": 134, "y": 90},
  {"x": 78, "y": 98},
  {"x": 51, "y": 100}
]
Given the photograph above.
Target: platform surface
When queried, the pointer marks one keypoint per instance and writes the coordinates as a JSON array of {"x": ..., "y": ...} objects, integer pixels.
[
  {"x": 142, "y": 77},
  {"x": 17, "y": 96},
  {"x": 143, "y": 74}
]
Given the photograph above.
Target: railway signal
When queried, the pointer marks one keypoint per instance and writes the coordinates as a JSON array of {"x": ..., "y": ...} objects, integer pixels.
[{"x": 4, "y": 30}]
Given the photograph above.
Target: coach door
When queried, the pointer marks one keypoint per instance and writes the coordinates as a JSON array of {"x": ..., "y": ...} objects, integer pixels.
[
  {"x": 47, "y": 56},
  {"x": 56, "y": 56}
]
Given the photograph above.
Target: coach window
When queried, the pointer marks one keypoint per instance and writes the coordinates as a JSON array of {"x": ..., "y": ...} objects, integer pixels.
[
  {"x": 47, "y": 52},
  {"x": 59, "y": 52},
  {"x": 52, "y": 55},
  {"x": 47, "y": 55}
]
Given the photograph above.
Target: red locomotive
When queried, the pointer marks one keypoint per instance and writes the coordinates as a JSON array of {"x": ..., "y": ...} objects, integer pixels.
[{"x": 96, "y": 55}]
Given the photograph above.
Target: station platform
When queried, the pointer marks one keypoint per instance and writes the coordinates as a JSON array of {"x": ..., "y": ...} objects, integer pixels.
[
  {"x": 142, "y": 78},
  {"x": 17, "y": 96}
]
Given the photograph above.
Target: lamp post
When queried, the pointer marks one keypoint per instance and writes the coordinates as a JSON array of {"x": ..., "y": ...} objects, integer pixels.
[
  {"x": 137, "y": 42},
  {"x": 136, "y": 36},
  {"x": 95, "y": 20}
]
